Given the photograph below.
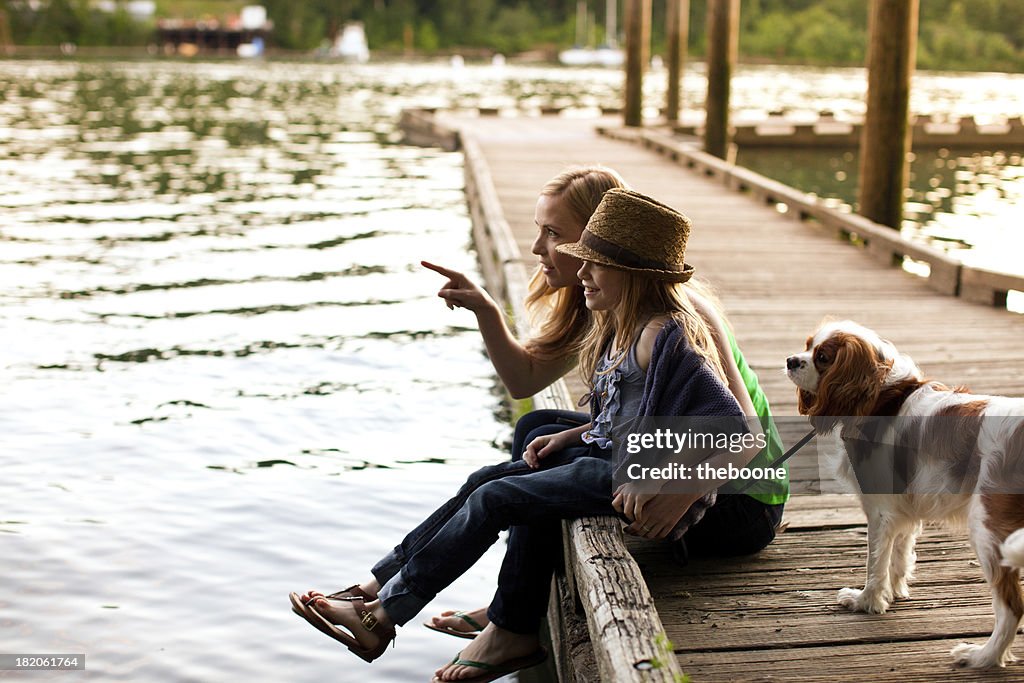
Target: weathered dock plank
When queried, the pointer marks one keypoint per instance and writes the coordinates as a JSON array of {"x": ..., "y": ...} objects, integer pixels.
[
  {"x": 774, "y": 616},
  {"x": 908, "y": 661}
]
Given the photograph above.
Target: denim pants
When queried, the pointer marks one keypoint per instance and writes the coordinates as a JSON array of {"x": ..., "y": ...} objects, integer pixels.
[
  {"x": 543, "y": 422},
  {"x": 576, "y": 483},
  {"x": 534, "y": 550},
  {"x": 571, "y": 483},
  {"x": 508, "y": 495}
]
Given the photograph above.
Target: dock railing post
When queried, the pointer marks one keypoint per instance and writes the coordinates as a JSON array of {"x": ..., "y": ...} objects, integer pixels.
[
  {"x": 885, "y": 138},
  {"x": 723, "y": 46},
  {"x": 638, "y": 40},
  {"x": 677, "y": 29}
]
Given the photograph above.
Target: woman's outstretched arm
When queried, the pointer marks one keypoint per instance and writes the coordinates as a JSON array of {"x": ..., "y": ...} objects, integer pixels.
[
  {"x": 734, "y": 380},
  {"x": 521, "y": 373}
]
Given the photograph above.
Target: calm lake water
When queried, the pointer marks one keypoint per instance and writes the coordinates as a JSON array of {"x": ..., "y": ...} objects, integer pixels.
[{"x": 226, "y": 377}]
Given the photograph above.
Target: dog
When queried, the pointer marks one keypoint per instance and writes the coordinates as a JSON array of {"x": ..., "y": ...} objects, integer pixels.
[{"x": 916, "y": 451}]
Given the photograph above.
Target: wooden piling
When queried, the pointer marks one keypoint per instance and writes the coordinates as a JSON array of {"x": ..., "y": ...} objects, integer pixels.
[
  {"x": 885, "y": 139},
  {"x": 6, "y": 43},
  {"x": 638, "y": 40},
  {"x": 723, "y": 31},
  {"x": 677, "y": 29}
]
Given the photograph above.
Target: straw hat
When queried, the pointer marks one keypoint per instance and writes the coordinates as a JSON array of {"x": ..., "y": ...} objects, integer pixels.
[{"x": 631, "y": 231}]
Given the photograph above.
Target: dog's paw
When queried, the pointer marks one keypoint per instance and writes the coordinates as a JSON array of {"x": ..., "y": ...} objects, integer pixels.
[
  {"x": 858, "y": 600},
  {"x": 901, "y": 589},
  {"x": 970, "y": 656}
]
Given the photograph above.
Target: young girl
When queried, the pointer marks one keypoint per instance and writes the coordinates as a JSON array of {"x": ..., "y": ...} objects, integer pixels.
[{"x": 648, "y": 353}]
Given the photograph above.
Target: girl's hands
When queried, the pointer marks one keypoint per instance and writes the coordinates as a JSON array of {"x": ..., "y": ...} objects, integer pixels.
[
  {"x": 652, "y": 515},
  {"x": 545, "y": 445},
  {"x": 460, "y": 291}
]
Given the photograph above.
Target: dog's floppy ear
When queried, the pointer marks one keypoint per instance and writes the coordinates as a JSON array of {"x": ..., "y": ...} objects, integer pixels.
[
  {"x": 850, "y": 385},
  {"x": 804, "y": 401},
  {"x": 807, "y": 404}
]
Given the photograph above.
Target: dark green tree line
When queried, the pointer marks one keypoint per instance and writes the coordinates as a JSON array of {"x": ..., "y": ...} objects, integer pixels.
[{"x": 954, "y": 34}]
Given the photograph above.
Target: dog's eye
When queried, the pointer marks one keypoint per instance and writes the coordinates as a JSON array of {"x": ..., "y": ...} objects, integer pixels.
[{"x": 820, "y": 357}]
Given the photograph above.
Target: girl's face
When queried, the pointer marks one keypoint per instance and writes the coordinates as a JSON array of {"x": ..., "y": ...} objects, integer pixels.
[
  {"x": 602, "y": 286},
  {"x": 556, "y": 225}
]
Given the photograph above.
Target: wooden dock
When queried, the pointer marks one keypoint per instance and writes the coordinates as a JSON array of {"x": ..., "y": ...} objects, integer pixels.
[
  {"x": 780, "y": 131},
  {"x": 780, "y": 266}
]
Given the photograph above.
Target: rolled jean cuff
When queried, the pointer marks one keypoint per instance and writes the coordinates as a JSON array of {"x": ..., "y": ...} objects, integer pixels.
[
  {"x": 388, "y": 567},
  {"x": 400, "y": 600},
  {"x": 515, "y": 626}
]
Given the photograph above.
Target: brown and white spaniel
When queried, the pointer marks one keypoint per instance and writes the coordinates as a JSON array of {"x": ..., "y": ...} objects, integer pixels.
[{"x": 918, "y": 451}]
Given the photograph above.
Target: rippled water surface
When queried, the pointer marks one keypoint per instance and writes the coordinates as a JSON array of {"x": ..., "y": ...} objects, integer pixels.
[
  {"x": 966, "y": 201},
  {"x": 225, "y": 375}
]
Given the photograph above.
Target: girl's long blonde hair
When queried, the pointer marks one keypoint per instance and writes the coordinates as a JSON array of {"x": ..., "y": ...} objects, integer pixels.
[
  {"x": 560, "y": 315},
  {"x": 644, "y": 298}
]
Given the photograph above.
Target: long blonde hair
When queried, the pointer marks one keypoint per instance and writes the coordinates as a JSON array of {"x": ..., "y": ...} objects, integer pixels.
[
  {"x": 560, "y": 315},
  {"x": 644, "y": 298}
]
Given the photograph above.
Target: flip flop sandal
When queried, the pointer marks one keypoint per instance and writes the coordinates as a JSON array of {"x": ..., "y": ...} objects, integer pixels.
[
  {"x": 451, "y": 631},
  {"x": 493, "y": 672},
  {"x": 368, "y": 622}
]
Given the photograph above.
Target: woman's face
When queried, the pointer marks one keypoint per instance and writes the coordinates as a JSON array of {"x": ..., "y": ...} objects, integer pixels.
[
  {"x": 556, "y": 225},
  {"x": 602, "y": 286}
]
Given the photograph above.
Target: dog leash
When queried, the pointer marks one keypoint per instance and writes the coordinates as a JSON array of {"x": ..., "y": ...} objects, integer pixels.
[{"x": 781, "y": 459}]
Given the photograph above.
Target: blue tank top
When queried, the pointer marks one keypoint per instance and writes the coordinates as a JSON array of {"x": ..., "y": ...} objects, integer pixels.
[{"x": 619, "y": 391}]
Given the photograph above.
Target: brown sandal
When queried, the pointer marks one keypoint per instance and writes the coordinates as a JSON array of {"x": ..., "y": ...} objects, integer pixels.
[{"x": 368, "y": 621}]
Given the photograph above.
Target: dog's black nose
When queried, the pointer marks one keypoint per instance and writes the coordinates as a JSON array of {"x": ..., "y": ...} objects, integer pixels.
[{"x": 793, "y": 363}]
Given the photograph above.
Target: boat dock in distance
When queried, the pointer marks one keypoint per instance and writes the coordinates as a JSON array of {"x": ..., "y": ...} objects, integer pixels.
[{"x": 827, "y": 131}]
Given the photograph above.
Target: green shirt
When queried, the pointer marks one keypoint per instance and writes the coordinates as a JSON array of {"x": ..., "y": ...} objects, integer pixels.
[{"x": 768, "y": 491}]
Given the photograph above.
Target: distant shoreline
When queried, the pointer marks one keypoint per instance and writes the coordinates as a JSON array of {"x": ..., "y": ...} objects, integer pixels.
[{"x": 470, "y": 55}]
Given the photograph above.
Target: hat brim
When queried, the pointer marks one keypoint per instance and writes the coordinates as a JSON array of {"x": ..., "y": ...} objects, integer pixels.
[{"x": 582, "y": 251}]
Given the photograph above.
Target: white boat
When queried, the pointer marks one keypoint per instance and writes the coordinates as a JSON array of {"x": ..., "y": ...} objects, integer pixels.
[
  {"x": 350, "y": 45},
  {"x": 608, "y": 54}
]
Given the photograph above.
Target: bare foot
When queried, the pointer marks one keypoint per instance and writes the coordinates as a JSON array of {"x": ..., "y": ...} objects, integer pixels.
[
  {"x": 371, "y": 588},
  {"x": 343, "y": 613},
  {"x": 494, "y": 646},
  {"x": 460, "y": 621}
]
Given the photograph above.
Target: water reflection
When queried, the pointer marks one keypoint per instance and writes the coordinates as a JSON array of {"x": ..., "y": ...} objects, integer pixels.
[
  {"x": 227, "y": 376},
  {"x": 965, "y": 202}
]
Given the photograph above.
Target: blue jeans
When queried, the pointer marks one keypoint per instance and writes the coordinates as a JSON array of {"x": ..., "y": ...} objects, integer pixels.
[
  {"x": 543, "y": 422},
  {"x": 525, "y": 575},
  {"x": 737, "y": 525},
  {"x": 534, "y": 550},
  {"x": 455, "y": 535}
]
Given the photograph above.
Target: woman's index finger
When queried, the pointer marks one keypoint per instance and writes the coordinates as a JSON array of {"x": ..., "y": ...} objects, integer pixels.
[{"x": 441, "y": 270}]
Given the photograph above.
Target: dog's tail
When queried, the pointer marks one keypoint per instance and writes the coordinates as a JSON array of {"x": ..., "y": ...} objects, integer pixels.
[{"x": 1013, "y": 550}]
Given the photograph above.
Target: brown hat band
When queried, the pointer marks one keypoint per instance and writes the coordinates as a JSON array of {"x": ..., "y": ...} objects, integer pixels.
[{"x": 623, "y": 256}]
